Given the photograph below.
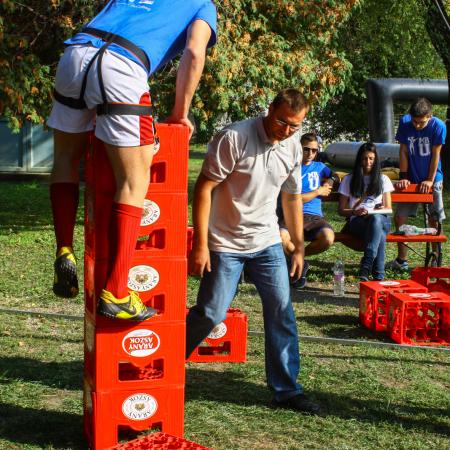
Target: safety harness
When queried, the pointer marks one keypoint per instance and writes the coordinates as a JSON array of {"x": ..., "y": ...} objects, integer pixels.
[{"x": 108, "y": 107}]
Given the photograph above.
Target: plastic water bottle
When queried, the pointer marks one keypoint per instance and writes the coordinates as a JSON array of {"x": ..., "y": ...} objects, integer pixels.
[
  {"x": 338, "y": 278},
  {"x": 412, "y": 230}
]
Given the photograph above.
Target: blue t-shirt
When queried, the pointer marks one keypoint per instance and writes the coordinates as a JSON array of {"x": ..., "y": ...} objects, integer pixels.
[
  {"x": 312, "y": 177},
  {"x": 158, "y": 27},
  {"x": 419, "y": 145}
]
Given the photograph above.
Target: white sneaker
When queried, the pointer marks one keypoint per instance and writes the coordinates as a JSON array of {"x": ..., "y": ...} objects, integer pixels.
[{"x": 395, "y": 265}]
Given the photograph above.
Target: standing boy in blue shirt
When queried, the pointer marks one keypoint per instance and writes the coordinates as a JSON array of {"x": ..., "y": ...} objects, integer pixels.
[
  {"x": 314, "y": 185},
  {"x": 421, "y": 137}
]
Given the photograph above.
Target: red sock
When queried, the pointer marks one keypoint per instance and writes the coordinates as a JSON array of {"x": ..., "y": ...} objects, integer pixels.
[
  {"x": 123, "y": 234},
  {"x": 64, "y": 199}
]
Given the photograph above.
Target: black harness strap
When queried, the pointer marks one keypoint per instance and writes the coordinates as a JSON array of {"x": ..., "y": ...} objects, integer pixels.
[
  {"x": 105, "y": 107},
  {"x": 119, "y": 40}
]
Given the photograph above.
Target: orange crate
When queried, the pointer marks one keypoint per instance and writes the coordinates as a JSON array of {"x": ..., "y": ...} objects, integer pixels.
[
  {"x": 227, "y": 342},
  {"x": 139, "y": 355},
  {"x": 420, "y": 318},
  {"x": 163, "y": 225},
  {"x": 159, "y": 441},
  {"x": 374, "y": 300},
  {"x": 108, "y": 413},
  {"x": 169, "y": 170},
  {"x": 434, "y": 278},
  {"x": 161, "y": 283}
]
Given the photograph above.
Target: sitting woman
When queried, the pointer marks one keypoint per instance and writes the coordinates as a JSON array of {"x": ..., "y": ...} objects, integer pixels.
[{"x": 365, "y": 199}]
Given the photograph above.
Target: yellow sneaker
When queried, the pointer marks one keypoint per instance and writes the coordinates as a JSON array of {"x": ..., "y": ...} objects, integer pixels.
[
  {"x": 127, "y": 308},
  {"x": 65, "y": 283}
]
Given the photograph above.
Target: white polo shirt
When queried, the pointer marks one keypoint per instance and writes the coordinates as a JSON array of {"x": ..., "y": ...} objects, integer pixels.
[{"x": 251, "y": 172}]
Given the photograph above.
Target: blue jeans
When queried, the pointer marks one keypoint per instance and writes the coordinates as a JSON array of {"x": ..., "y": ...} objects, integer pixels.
[
  {"x": 267, "y": 269},
  {"x": 372, "y": 230}
]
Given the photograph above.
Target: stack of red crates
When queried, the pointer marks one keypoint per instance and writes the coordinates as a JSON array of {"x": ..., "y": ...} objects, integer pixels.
[
  {"x": 413, "y": 312},
  {"x": 135, "y": 371}
]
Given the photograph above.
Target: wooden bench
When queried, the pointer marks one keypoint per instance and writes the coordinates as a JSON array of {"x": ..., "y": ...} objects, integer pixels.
[{"x": 408, "y": 195}]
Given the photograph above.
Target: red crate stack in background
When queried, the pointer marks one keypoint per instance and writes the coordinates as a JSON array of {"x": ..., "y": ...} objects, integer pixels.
[
  {"x": 374, "y": 300},
  {"x": 420, "y": 318},
  {"x": 134, "y": 371}
]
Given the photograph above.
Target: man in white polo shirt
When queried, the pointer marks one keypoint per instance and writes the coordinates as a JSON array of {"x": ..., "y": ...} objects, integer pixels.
[{"x": 235, "y": 223}]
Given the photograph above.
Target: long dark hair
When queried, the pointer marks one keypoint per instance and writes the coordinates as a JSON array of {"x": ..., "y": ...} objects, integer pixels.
[{"x": 357, "y": 181}]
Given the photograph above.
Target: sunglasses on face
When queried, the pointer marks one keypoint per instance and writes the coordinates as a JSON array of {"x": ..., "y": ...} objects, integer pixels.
[
  {"x": 290, "y": 125},
  {"x": 309, "y": 149}
]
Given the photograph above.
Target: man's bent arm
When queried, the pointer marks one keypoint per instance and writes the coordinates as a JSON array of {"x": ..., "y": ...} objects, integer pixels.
[
  {"x": 190, "y": 71},
  {"x": 293, "y": 216},
  {"x": 403, "y": 165},
  {"x": 199, "y": 260},
  {"x": 435, "y": 154}
]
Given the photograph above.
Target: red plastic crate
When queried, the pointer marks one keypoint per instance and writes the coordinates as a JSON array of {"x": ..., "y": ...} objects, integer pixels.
[
  {"x": 434, "y": 278},
  {"x": 161, "y": 283},
  {"x": 159, "y": 441},
  {"x": 139, "y": 355},
  {"x": 420, "y": 318},
  {"x": 106, "y": 413},
  {"x": 227, "y": 342},
  {"x": 169, "y": 171},
  {"x": 190, "y": 240},
  {"x": 163, "y": 225},
  {"x": 374, "y": 300}
]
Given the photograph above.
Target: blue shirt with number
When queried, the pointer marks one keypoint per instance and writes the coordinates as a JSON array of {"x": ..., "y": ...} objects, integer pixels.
[
  {"x": 420, "y": 143},
  {"x": 158, "y": 27},
  {"x": 312, "y": 177}
]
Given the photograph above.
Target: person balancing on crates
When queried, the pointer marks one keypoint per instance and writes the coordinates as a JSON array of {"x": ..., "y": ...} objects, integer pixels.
[
  {"x": 421, "y": 136},
  {"x": 102, "y": 77}
]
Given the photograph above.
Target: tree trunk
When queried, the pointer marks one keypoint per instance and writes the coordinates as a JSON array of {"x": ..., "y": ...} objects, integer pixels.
[{"x": 438, "y": 26}]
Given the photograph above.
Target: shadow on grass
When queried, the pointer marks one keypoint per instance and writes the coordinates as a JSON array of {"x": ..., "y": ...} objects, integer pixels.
[
  {"x": 323, "y": 297},
  {"x": 230, "y": 387},
  {"x": 345, "y": 326},
  {"x": 380, "y": 358},
  {"x": 26, "y": 206},
  {"x": 46, "y": 429},
  {"x": 60, "y": 375}
]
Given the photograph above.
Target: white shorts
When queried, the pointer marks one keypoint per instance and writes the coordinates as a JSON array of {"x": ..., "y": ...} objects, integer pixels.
[{"x": 125, "y": 82}]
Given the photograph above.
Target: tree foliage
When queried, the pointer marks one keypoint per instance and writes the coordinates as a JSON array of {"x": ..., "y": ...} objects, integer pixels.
[
  {"x": 382, "y": 39},
  {"x": 31, "y": 36},
  {"x": 263, "y": 47}
]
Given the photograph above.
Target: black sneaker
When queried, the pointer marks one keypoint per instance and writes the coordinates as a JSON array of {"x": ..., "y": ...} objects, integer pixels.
[
  {"x": 65, "y": 283},
  {"x": 300, "y": 403},
  {"x": 301, "y": 282}
]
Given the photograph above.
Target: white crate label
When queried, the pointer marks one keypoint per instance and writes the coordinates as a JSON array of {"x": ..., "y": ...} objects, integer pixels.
[
  {"x": 139, "y": 406},
  {"x": 142, "y": 278},
  {"x": 218, "y": 331},
  {"x": 141, "y": 343},
  {"x": 150, "y": 213}
]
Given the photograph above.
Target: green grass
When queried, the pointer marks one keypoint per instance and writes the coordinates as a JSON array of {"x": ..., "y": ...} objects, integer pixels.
[{"x": 375, "y": 397}]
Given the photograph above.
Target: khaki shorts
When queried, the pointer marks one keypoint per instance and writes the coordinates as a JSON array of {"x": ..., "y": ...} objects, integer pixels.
[
  {"x": 436, "y": 209},
  {"x": 125, "y": 82},
  {"x": 312, "y": 226}
]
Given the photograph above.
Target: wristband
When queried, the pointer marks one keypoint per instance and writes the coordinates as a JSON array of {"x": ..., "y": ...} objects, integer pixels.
[{"x": 403, "y": 176}]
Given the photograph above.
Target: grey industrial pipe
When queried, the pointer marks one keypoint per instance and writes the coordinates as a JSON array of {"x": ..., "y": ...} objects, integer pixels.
[{"x": 381, "y": 94}]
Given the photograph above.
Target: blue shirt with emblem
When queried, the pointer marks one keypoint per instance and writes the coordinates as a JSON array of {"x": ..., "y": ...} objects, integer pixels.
[
  {"x": 420, "y": 144},
  {"x": 312, "y": 177},
  {"x": 158, "y": 27}
]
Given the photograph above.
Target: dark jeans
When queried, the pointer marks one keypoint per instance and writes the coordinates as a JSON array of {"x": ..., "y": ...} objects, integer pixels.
[
  {"x": 267, "y": 269},
  {"x": 372, "y": 229}
]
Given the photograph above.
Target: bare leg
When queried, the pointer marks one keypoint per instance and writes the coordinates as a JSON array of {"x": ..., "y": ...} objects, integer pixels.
[
  {"x": 68, "y": 150},
  {"x": 324, "y": 240},
  {"x": 402, "y": 249},
  {"x": 131, "y": 167}
]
